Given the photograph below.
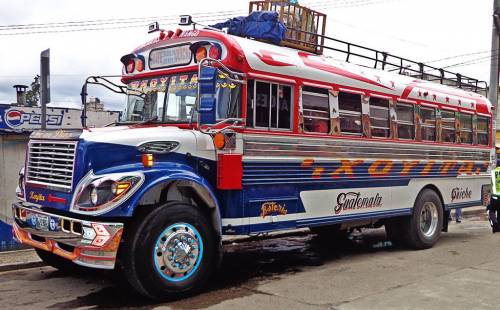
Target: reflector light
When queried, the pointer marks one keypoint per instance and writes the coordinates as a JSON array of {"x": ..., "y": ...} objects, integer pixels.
[
  {"x": 100, "y": 240},
  {"x": 147, "y": 160},
  {"x": 130, "y": 66},
  {"x": 201, "y": 53},
  {"x": 100, "y": 229},
  {"x": 219, "y": 141},
  {"x": 178, "y": 32},
  {"x": 139, "y": 65},
  {"x": 214, "y": 53}
]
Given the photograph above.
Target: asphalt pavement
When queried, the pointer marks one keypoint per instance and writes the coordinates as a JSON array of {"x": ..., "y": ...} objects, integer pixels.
[{"x": 301, "y": 271}]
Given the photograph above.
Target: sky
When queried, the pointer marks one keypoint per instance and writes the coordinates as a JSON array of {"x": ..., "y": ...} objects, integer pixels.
[{"x": 424, "y": 30}]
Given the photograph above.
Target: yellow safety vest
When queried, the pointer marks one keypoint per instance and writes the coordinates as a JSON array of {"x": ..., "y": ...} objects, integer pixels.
[{"x": 495, "y": 182}]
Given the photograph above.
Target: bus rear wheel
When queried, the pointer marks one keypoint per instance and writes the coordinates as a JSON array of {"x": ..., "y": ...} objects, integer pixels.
[
  {"x": 171, "y": 253},
  {"x": 423, "y": 228}
]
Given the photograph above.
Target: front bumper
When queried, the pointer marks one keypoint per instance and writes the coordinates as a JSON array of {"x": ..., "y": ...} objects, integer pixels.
[{"x": 86, "y": 243}]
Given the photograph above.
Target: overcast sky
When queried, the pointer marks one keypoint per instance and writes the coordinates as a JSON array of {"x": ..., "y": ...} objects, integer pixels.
[{"x": 424, "y": 30}]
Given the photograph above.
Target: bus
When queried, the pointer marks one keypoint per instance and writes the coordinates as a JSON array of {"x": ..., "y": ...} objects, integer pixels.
[{"x": 226, "y": 135}]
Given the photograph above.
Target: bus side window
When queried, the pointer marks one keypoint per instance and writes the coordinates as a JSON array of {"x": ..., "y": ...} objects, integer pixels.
[
  {"x": 269, "y": 105},
  {"x": 428, "y": 129},
  {"x": 262, "y": 100},
  {"x": 483, "y": 129},
  {"x": 448, "y": 131},
  {"x": 315, "y": 106},
  {"x": 466, "y": 130},
  {"x": 379, "y": 117},
  {"x": 350, "y": 113},
  {"x": 405, "y": 119}
]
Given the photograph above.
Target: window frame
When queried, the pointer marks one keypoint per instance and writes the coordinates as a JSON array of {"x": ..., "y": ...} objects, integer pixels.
[
  {"x": 329, "y": 112},
  {"x": 448, "y": 128},
  {"x": 424, "y": 125},
  {"x": 379, "y": 118},
  {"x": 254, "y": 95},
  {"x": 470, "y": 131},
  {"x": 407, "y": 123},
  {"x": 351, "y": 113},
  {"x": 488, "y": 131}
]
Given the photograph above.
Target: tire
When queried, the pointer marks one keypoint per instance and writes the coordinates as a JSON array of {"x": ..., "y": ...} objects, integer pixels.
[
  {"x": 423, "y": 228},
  {"x": 59, "y": 262},
  {"x": 170, "y": 252}
]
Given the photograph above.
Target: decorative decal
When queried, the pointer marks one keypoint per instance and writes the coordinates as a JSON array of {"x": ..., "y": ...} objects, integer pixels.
[
  {"x": 459, "y": 193},
  {"x": 272, "y": 208},
  {"x": 37, "y": 197},
  {"x": 353, "y": 201}
]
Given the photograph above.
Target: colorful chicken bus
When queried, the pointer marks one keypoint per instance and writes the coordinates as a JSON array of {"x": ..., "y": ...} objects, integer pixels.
[{"x": 224, "y": 135}]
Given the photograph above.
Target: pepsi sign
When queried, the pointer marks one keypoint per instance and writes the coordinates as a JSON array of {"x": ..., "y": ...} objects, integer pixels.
[
  {"x": 15, "y": 118},
  {"x": 18, "y": 118}
]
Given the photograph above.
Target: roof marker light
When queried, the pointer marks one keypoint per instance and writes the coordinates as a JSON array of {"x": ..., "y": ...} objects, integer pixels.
[{"x": 201, "y": 53}]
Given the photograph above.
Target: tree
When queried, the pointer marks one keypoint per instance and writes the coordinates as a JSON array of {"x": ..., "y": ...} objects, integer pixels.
[{"x": 33, "y": 95}]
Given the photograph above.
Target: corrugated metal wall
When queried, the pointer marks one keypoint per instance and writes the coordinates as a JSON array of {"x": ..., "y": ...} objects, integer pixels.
[{"x": 12, "y": 153}]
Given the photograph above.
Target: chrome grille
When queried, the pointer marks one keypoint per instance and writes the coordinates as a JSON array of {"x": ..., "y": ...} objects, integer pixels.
[{"x": 51, "y": 163}]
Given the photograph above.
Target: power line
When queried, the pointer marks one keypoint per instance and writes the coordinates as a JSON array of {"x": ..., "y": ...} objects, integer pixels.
[{"x": 107, "y": 21}]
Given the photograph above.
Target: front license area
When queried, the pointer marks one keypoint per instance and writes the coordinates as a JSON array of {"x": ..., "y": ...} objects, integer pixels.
[{"x": 38, "y": 221}]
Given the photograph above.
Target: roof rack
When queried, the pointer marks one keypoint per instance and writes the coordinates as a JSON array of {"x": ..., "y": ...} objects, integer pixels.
[
  {"x": 306, "y": 31},
  {"x": 305, "y": 27},
  {"x": 369, "y": 57}
]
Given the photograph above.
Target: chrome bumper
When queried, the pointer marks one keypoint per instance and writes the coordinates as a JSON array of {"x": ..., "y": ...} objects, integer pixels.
[{"x": 87, "y": 243}]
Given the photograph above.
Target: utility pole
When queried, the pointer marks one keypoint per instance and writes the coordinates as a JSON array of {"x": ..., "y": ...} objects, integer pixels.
[{"x": 44, "y": 84}]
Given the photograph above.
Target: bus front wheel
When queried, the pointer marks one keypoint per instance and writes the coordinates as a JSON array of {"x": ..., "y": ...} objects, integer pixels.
[{"x": 171, "y": 252}]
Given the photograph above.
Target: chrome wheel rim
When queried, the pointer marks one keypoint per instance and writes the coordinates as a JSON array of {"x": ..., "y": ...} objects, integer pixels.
[
  {"x": 428, "y": 219},
  {"x": 178, "y": 252}
]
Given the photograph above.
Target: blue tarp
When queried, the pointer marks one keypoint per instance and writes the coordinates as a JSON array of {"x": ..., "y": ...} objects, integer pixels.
[{"x": 264, "y": 25}]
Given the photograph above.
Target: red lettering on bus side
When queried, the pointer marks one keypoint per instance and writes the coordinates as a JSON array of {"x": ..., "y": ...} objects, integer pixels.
[
  {"x": 346, "y": 168},
  {"x": 380, "y": 168}
]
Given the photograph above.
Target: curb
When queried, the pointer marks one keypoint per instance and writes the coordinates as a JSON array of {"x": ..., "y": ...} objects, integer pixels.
[{"x": 20, "y": 266}]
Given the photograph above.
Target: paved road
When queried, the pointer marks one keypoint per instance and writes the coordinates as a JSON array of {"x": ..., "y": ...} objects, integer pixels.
[{"x": 303, "y": 272}]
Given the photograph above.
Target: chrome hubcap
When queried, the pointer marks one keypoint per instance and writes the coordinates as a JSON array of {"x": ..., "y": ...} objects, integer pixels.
[
  {"x": 428, "y": 219},
  {"x": 178, "y": 251}
]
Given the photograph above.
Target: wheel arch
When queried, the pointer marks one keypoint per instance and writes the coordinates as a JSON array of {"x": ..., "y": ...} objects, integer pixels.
[{"x": 190, "y": 189}]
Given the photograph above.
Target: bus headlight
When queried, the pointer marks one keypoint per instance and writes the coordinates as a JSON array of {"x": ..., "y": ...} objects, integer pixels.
[{"x": 99, "y": 194}]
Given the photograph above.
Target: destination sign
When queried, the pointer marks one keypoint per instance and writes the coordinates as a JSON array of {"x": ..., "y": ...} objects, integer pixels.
[{"x": 170, "y": 56}]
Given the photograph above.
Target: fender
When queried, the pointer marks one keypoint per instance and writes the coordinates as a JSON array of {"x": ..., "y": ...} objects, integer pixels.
[{"x": 168, "y": 172}]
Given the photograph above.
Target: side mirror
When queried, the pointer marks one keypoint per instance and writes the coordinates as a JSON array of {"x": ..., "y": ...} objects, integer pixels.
[{"x": 206, "y": 90}]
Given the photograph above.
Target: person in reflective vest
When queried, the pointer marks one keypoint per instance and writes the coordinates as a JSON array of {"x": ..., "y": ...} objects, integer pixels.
[{"x": 494, "y": 205}]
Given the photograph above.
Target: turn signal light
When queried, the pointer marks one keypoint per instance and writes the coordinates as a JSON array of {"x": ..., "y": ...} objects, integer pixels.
[
  {"x": 219, "y": 140},
  {"x": 147, "y": 160}
]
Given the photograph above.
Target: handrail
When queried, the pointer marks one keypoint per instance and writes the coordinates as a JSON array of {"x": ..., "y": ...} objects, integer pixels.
[{"x": 388, "y": 62}]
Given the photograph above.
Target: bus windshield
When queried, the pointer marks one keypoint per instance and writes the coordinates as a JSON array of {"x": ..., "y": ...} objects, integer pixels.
[{"x": 172, "y": 98}]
